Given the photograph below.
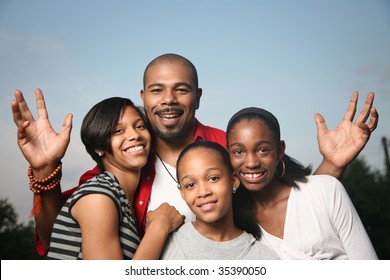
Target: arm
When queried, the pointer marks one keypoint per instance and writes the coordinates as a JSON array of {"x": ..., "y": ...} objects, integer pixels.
[
  {"x": 98, "y": 218},
  {"x": 341, "y": 146},
  {"x": 348, "y": 224},
  {"x": 43, "y": 148},
  {"x": 160, "y": 223}
]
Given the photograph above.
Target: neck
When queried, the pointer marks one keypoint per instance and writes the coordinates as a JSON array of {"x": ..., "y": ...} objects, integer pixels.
[
  {"x": 218, "y": 231},
  {"x": 169, "y": 151},
  {"x": 271, "y": 195}
]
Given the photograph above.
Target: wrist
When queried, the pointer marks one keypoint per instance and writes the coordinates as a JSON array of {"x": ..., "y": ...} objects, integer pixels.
[
  {"x": 159, "y": 227},
  {"x": 328, "y": 168},
  {"x": 45, "y": 171}
]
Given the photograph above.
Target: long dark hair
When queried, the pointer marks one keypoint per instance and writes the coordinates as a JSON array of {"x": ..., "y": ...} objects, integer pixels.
[{"x": 243, "y": 214}]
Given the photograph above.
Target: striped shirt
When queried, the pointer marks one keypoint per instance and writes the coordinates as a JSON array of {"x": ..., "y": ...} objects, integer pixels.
[{"x": 66, "y": 238}]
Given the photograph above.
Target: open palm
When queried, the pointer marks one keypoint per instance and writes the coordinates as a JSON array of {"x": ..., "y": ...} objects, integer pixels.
[
  {"x": 40, "y": 144},
  {"x": 342, "y": 145}
]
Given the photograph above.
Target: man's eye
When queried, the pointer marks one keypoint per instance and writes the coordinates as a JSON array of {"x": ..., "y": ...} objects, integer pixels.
[
  {"x": 156, "y": 90},
  {"x": 182, "y": 90},
  {"x": 262, "y": 150}
]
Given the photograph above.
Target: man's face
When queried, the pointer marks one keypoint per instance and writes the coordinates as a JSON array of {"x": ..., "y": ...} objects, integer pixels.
[{"x": 170, "y": 100}]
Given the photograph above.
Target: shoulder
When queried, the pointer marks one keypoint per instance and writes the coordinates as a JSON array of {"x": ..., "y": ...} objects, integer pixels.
[
  {"x": 204, "y": 132},
  {"x": 321, "y": 183},
  {"x": 103, "y": 184},
  {"x": 265, "y": 252},
  {"x": 258, "y": 250},
  {"x": 322, "y": 189},
  {"x": 175, "y": 246}
]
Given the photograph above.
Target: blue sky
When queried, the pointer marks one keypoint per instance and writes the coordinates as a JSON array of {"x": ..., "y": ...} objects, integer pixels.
[{"x": 294, "y": 58}]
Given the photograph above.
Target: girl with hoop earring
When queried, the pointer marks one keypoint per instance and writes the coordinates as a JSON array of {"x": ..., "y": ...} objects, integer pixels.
[{"x": 301, "y": 216}]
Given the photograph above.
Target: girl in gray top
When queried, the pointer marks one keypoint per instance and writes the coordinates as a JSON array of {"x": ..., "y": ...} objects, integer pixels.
[{"x": 207, "y": 183}]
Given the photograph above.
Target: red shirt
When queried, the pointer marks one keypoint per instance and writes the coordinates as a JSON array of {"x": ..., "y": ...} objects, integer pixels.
[{"x": 148, "y": 173}]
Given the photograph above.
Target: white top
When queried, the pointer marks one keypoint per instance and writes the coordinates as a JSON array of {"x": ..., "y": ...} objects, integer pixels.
[
  {"x": 164, "y": 189},
  {"x": 186, "y": 243},
  {"x": 321, "y": 223}
]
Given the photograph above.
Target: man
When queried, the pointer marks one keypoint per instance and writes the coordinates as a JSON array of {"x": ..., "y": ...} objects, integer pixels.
[{"x": 171, "y": 96}]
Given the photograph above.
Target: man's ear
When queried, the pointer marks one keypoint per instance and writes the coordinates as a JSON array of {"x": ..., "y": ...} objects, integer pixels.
[
  {"x": 198, "y": 96},
  {"x": 142, "y": 94}
]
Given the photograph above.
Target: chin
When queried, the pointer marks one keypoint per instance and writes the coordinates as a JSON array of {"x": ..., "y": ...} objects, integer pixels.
[{"x": 253, "y": 188}]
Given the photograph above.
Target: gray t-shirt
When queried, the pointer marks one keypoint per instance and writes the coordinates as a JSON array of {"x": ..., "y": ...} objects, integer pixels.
[{"x": 188, "y": 244}]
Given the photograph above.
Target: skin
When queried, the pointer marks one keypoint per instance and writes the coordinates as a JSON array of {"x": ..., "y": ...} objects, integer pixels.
[
  {"x": 254, "y": 153},
  {"x": 206, "y": 187},
  {"x": 170, "y": 99},
  {"x": 341, "y": 146},
  {"x": 43, "y": 147},
  {"x": 130, "y": 144}
]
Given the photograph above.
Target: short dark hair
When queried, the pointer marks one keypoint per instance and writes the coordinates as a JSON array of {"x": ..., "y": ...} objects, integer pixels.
[
  {"x": 173, "y": 58},
  {"x": 243, "y": 213},
  {"x": 98, "y": 124}
]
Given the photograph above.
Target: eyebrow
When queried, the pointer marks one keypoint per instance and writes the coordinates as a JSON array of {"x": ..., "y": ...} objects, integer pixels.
[
  {"x": 207, "y": 170},
  {"x": 135, "y": 121},
  {"x": 176, "y": 85},
  {"x": 257, "y": 143}
]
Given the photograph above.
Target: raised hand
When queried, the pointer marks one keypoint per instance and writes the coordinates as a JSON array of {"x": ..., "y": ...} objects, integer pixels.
[
  {"x": 341, "y": 146},
  {"x": 42, "y": 147}
]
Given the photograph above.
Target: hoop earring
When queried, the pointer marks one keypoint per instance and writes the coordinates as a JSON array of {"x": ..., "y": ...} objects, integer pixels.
[{"x": 283, "y": 168}]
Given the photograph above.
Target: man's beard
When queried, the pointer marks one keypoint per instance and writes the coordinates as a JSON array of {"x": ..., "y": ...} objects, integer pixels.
[{"x": 171, "y": 136}]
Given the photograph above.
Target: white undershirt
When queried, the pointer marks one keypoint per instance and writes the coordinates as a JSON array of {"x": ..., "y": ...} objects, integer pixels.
[{"x": 164, "y": 189}]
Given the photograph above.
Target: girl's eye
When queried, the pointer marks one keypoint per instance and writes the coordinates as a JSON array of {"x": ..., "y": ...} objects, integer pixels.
[
  {"x": 189, "y": 186},
  {"x": 214, "y": 179},
  {"x": 141, "y": 126},
  {"x": 237, "y": 152}
]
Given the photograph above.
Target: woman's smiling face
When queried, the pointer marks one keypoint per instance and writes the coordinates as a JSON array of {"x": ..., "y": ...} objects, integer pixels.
[{"x": 253, "y": 151}]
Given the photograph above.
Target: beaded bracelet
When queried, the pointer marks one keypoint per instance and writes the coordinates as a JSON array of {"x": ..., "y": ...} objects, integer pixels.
[{"x": 37, "y": 186}]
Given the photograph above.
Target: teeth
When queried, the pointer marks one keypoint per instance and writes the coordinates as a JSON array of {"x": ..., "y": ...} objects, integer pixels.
[
  {"x": 169, "y": 116},
  {"x": 134, "y": 149},
  {"x": 252, "y": 175}
]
